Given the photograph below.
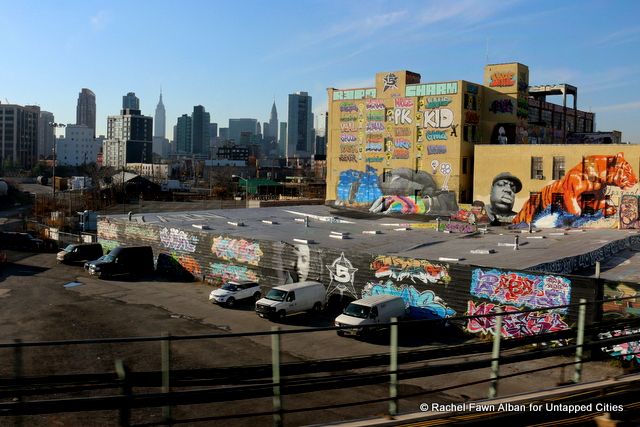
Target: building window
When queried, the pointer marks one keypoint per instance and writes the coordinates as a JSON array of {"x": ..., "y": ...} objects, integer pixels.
[
  {"x": 536, "y": 168},
  {"x": 465, "y": 167},
  {"x": 558, "y": 167}
]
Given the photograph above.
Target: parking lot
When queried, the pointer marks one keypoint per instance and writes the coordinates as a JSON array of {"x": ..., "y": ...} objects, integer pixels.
[{"x": 37, "y": 307}]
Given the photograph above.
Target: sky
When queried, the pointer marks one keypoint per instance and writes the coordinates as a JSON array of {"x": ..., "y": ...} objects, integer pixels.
[{"x": 237, "y": 57}]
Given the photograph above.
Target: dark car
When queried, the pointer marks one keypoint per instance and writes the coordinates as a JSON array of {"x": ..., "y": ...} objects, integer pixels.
[
  {"x": 123, "y": 260},
  {"x": 20, "y": 241},
  {"x": 80, "y": 252}
]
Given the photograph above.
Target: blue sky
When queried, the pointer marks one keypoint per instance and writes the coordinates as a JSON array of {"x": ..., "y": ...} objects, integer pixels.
[{"x": 235, "y": 57}]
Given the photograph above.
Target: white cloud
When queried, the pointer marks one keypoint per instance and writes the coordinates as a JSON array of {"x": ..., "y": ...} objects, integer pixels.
[
  {"x": 100, "y": 20},
  {"x": 619, "y": 37}
]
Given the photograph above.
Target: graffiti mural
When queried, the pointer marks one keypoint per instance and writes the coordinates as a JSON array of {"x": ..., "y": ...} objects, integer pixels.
[
  {"x": 440, "y": 119},
  {"x": 226, "y": 272},
  {"x": 514, "y": 325},
  {"x": 504, "y": 79},
  {"x": 503, "y": 190},
  {"x": 582, "y": 192},
  {"x": 390, "y": 82},
  {"x": 501, "y": 106},
  {"x": 629, "y": 351},
  {"x": 424, "y": 304},
  {"x": 629, "y": 211},
  {"x": 178, "y": 240},
  {"x": 521, "y": 289},
  {"x": 459, "y": 227},
  {"x": 236, "y": 249},
  {"x": 342, "y": 274},
  {"x": 629, "y": 306},
  {"x": 399, "y": 269},
  {"x": 357, "y": 187},
  {"x": 145, "y": 233}
]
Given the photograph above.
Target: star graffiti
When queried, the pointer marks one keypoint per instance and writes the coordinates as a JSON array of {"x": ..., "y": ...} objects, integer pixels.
[
  {"x": 342, "y": 274},
  {"x": 390, "y": 82}
]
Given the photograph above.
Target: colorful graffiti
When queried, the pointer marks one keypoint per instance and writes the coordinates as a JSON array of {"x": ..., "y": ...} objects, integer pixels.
[
  {"x": 504, "y": 79},
  {"x": 236, "y": 249},
  {"x": 459, "y": 227},
  {"x": 629, "y": 211},
  {"x": 623, "y": 307},
  {"x": 145, "y": 233},
  {"x": 227, "y": 272},
  {"x": 348, "y": 158},
  {"x": 436, "y": 135},
  {"x": 436, "y": 149},
  {"x": 502, "y": 106},
  {"x": 629, "y": 351},
  {"x": 178, "y": 240},
  {"x": 375, "y": 104},
  {"x": 513, "y": 325},
  {"x": 424, "y": 304},
  {"x": 590, "y": 177},
  {"x": 521, "y": 289},
  {"x": 342, "y": 274},
  {"x": 348, "y": 107},
  {"x": 358, "y": 187},
  {"x": 399, "y": 269}
]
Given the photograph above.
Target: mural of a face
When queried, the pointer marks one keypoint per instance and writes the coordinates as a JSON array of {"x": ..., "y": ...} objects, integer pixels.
[
  {"x": 503, "y": 195},
  {"x": 405, "y": 182},
  {"x": 304, "y": 262}
]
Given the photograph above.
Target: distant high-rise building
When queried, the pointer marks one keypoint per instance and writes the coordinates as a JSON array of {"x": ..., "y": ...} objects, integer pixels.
[
  {"x": 46, "y": 135},
  {"x": 213, "y": 137},
  {"x": 129, "y": 139},
  {"x": 239, "y": 126},
  {"x": 160, "y": 124},
  {"x": 160, "y": 142},
  {"x": 86, "y": 109},
  {"x": 223, "y": 134},
  {"x": 273, "y": 122},
  {"x": 182, "y": 135},
  {"x": 282, "y": 143},
  {"x": 78, "y": 147},
  {"x": 130, "y": 101},
  {"x": 300, "y": 126},
  {"x": 266, "y": 131},
  {"x": 19, "y": 141},
  {"x": 200, "y": 121},
  {"x": 321, "y": 134}
]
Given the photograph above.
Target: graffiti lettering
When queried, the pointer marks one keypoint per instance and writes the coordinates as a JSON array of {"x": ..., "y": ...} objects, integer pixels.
[
  {"x": 348, "y": 107},
  {"x": 513, "y": 325},
  {"x": 373, "y": 147},
  {"x": 375, "y": 159},
  {"x": 236, "y": 249},
  {"x": 403, "y": 102},
  {"x": 402, "y": 131},
  {"x": 473, "y": 89},
  {"x": 626, "y": 350},
  {"x": 436, "y": 149},
  {"x": 375, "y": 104},
  {"x": 438, "y": 102},
  {"x": 406, "y": 268},
  {"x": 107, "y": 230},
  {"x": 431, "y": 89},
  {"x": 138, "y": 232},
  {"x": 347, "y": 158},
  {"x": 178, "y": 240},
  {"x": 421, "y": 304},
  {"x": 442, "y": 118},
  {"x": 345, "y": 137},
  {"x": 349, "y": 118},
  {"x": 501, "y": 106},
  {"x": 375, "y": 127},
  {"x": 521, "y": 289},
  {"x": 436, "y": 135},
  {"x": 459, "y": 227},
  {"x": 502, "y": 79},
  {"x": 375, "y": 137},
  {"x": 227, "y": 272},
  {"x": 402, "y": 116},
  {"x": 339, "y": 95},
  {"x": 349, "y": 127},
  {"x": 376, "y": 116},
  {"x": 348, "y": 148}
]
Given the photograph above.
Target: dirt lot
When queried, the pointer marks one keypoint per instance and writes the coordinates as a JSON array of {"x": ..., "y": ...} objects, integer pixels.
[{"x": 36, "y": 306}]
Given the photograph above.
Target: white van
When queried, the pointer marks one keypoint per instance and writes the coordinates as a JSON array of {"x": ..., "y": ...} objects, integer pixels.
[
  {"x": 283, "y": 300},
  {"x": 372, "y": 310}
]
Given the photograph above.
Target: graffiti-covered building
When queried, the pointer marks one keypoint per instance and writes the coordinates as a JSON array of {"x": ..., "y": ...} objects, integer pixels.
[{"x": 410, "y": 147}]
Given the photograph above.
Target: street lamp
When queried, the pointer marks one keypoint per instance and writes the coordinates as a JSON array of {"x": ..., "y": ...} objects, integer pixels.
[
  {"x": 236, "y": 178},
  {"x": 53, "y": 172}
]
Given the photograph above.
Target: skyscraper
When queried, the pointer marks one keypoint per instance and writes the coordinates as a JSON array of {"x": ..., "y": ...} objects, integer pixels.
[
  {"x": 129, "y": 139},
  {"x": 239, "y": 127},
  {"x": 182, "y": 136},
  {"x": 282, "y": 143},
  {"x": 130, "y": 101},
  {"x": 160, "y": 142},
  {"x": 200, "y": 121},
  {"x": 300, "y": 126},
  {"x": 86, "y": 109},
  {"x": 19, "y": 141},
  {"x": 46, "y": 135},
  {"x": 273, "y": 122}
]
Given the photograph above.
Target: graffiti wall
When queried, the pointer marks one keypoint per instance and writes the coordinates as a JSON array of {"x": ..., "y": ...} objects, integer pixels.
[{"x": 430, "y": 289}]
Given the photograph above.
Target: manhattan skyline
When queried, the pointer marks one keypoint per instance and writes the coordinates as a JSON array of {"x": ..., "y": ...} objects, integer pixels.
[{"x": 234, "y": 59}]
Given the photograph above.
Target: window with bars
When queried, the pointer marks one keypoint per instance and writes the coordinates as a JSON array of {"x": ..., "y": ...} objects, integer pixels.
[
  {"x": 558, "y": 167},
  {"x": 536, "y": 168}
]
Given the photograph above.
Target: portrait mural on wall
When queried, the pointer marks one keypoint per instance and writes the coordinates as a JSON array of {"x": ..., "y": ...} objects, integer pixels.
[
  {"x": 504, "y": 133},
  {"x": 503, "y": 195},
  {"x": 580, "y": 198}
]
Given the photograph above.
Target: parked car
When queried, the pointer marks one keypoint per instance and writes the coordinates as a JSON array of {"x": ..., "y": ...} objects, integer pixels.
[
  {"x": 80, "y": 252},
  {"x": 231, "y": 292},
  {"x": 123, "y": 260},
  {"x": 284, "y": 300},
  {"x": 373, "y": 310},
  {"x": 20, "y": 241}
]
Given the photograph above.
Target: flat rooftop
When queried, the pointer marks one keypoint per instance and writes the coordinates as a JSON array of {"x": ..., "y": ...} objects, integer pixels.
[{"x": 405, "y": 237}]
